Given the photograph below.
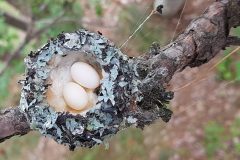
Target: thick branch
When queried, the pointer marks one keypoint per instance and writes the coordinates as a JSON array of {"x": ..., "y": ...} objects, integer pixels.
[
  {"x": 12, "y": 123},
  {"x": 201, "y": 41}
]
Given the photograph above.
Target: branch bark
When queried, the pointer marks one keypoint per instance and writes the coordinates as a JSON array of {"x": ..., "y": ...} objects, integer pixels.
[
  {"x": 12, "y": 123},
  {"x": 198, "y": 44}
]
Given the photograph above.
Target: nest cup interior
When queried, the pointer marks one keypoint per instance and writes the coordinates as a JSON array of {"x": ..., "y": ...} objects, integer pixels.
[{"x": 73, "y": 82}]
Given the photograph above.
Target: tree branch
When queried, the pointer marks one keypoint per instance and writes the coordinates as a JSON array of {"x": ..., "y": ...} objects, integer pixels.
[
  {"x": 12, "y": 123},
  {"x": 30, "y": 35},
  {"x": 198, "y": 44},
  {"x": 15, "y": 22}
]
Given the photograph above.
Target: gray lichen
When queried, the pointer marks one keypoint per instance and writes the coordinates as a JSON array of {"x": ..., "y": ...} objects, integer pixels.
[{"x": 122, "y": 99}]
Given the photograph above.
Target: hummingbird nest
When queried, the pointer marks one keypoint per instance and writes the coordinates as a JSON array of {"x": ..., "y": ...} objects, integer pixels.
[{"x": 119, "y": 101}]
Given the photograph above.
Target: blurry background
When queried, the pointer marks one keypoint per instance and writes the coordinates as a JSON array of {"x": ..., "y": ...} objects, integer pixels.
[{"x": 206, "y": 120}]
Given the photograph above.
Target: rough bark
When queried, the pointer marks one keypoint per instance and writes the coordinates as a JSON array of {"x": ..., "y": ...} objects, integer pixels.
[
  {"x": 199, "y": 43},
  {"x": 12, "y": 123}
]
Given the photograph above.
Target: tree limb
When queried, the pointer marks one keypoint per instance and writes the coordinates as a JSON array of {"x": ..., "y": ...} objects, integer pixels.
[
  {"x": 198, "y": 44},
  {"x": 15, "y": 22},
  {"x": 12, "y": 123}
]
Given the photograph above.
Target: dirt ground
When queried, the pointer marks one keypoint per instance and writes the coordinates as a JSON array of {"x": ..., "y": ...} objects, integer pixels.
[{"x": 193, "y": 106}]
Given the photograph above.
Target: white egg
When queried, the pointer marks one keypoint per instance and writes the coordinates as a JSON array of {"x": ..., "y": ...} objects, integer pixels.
[
  {"x": 85, "y": 75},
  {"x": 75, "y": 96}
]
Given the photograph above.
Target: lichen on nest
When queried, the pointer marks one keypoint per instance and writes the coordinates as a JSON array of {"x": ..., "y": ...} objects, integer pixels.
[{"x": 119, "y": 97}]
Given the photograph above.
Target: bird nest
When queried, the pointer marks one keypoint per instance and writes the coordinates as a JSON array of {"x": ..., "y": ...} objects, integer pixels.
[{"x": 113, "y": 106}]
